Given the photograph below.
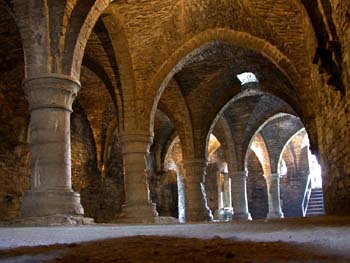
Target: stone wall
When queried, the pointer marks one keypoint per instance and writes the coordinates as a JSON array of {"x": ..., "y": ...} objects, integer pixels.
[
  {"x": 293, "y": 184},
  {"x": 333, "y": 130},
  {"x": 84, "y": 166},
  {"x": 333, "y": 125},
  {"x": 111, "y": 192},
  {"x": 102, "y": 194},
  {"x": 332, "y": 119},
  {"x": 341, "y": 17},
  {"x": 211, "y": 188},
  {"x": 14, "y": 150},
  {"x": 167, "y": 194},
  {"x": 256, "y": 188},
  {"x": 163, "y": 187}
]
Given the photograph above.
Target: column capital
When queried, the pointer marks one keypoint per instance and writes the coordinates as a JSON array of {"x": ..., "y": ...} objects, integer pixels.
[
  {"x": 272, "y": 176},
  {"x": 195, "y": 162},
  {"x": 51, "y": 91},
  {"x": 135, "y": 137},
  {"x": 135, "y": 142},
  {"x": 238, "y": 174},
  {"x": 195, "y": 169}
]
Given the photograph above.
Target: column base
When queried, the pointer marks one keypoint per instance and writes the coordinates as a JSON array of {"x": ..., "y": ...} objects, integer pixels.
[
  {"x": 271, "y": 215},
  {"x": 38, "y": 204},
  {"x": 198, "y": 216},
  {"x": 53, "y": 220},
  {"x": 242, "y": 216},
  {"x": 138, "y": 213},
  {"x": 225, "y": 214}
]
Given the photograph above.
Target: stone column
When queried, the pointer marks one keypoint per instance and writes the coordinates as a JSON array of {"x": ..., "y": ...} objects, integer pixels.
[
  {"x": 51, "y": 198},
  {"x": 196, "y": 204},
  {"x": 220, "y": 196},
  {"x": 138, "y": 207},
  {"x": 227, "y": 191},
  {"x": 273, "y": 194},
  {"x": 220, "y": 192},
  {"x": 239, "y": 195}
]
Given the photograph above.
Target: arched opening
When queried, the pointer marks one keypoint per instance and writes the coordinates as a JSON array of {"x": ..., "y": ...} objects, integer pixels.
[
  {"x": 173, "y": 163},
  {"x": 15, "y": 175}
]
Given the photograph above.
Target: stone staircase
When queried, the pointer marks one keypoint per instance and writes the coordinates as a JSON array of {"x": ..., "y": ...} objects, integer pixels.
[{"x": 315, "y": 206}]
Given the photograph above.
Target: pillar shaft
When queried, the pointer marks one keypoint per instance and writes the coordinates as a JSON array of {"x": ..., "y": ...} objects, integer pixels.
[
  {"x": 273, "y": 193},
  {"x": 138, "y": 207},
  {"x": 50, "y": 98},
  {"x": 220, "y": 193},
  {"x": 239, "y": 195},
  {"x": 196, "y": 204},
  {"x": 227, "y": 191}
]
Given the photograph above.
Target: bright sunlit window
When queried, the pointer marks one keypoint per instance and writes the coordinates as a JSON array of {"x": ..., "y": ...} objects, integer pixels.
[{"x": 247, "y": 77}]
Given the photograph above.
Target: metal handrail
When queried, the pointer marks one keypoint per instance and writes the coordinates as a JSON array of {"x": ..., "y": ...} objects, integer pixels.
[{"x": 307, "y": 194}]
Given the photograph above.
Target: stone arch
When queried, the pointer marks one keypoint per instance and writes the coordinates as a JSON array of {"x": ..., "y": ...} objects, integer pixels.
[
  {"x": 286, "y": 144},
  {"x": 59, "y": 47},
  {"x": 257, "y": 192},
  {"x": 112, "y": 127},
  {"x": 173, "y": 140},
  {"x": 180, "y": 127},
  {"x": 214, "y": 146},
  {"x": 265, "y": 98},
  {"x": 275, "y": 116},
  {"x": 7, "y": 13},
  {"x": 176, "y": 108},
  {"x": 265, "y": 159},
  {"x": 76, "y": 40},
  {"x": 101, "y": 73},
  {"x": 14, "y": 117},
  {"x": 220, "y": 116},
  {"x": 120, "y": 44},
  {"x": 242, "y": 39},
  {"x": 101, "y": 34},
  {"x": 227, "y": 141},
  {"x": 96, "y": 99}
]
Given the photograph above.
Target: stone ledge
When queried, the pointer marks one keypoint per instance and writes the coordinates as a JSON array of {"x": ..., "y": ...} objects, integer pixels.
[{"x": 53, "y": 220}]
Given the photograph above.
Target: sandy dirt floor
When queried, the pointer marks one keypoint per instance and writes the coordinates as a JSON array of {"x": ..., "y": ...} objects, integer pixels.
[
  {"x": 325, "y": 239},
  {"x": 168, "y": 249}
]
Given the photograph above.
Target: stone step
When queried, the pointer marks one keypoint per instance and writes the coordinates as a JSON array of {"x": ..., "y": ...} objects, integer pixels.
[
  {"x": 316, "y": 211},
  {"x": 315, "y": 205},
  {"x": 317, "y": 195},
  {"x": 316, "y": 198},
  {"x": 315, "y": 214},
  {"x": 316, "y": 201}
]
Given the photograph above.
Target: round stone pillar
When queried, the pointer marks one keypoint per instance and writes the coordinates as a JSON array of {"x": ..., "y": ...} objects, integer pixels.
[
  {"x": 196, "y": 204},
  {"x": 239, "y": 195},
  {"x": 138, "y": 207},
  {"x": 273, "y": 194},
  {"x": 51, "y": 196},
  {"x": 227, "y": 191}
]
